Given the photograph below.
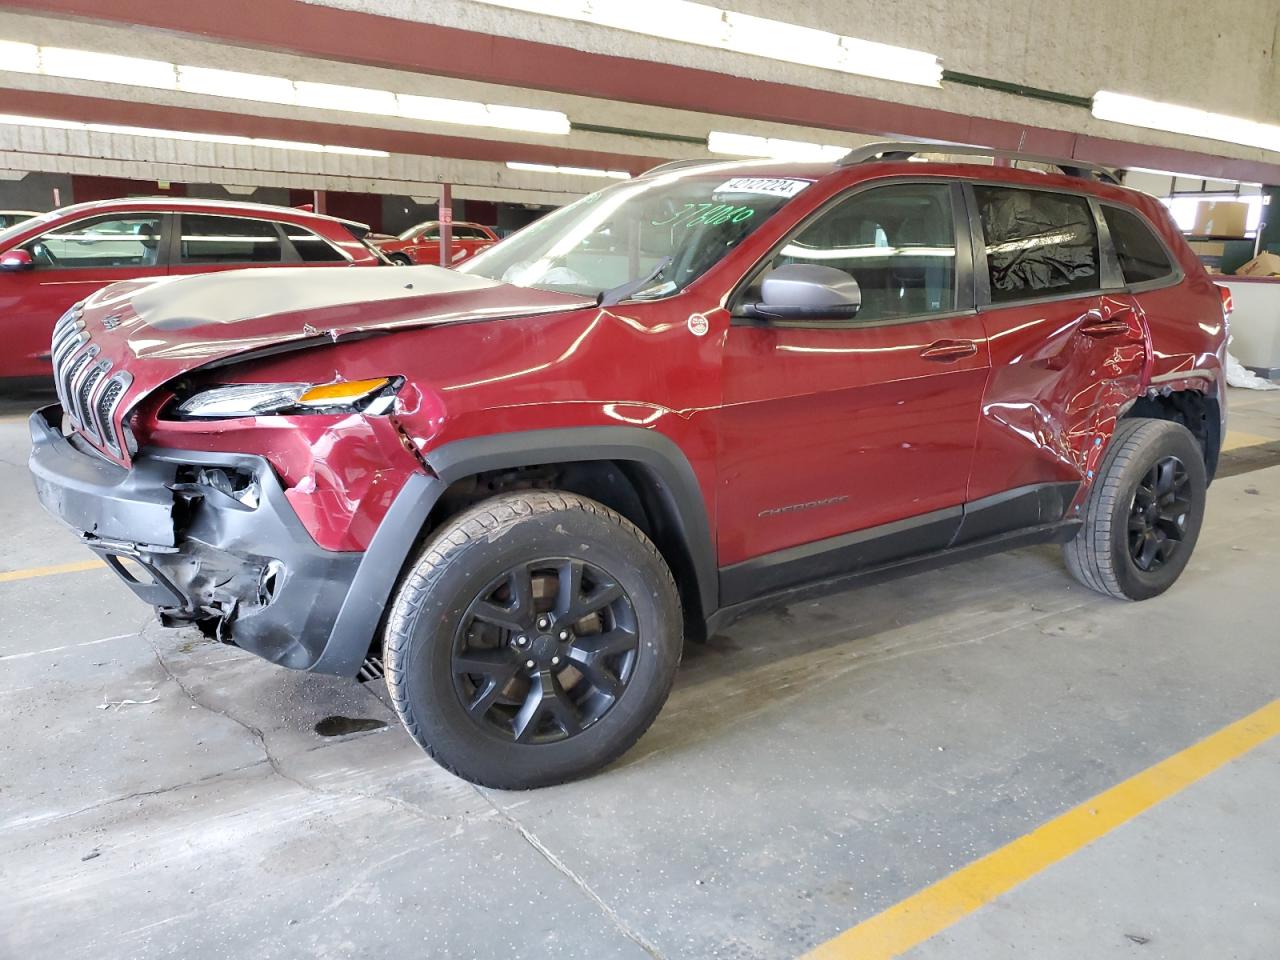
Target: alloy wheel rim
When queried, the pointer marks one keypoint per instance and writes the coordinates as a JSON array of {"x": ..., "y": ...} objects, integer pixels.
[
  {"x": 545, "y": 650},
  {"x": 1158, "y": 514}
]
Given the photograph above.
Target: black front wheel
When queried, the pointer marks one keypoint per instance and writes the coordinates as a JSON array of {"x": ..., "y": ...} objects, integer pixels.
[{"x": 534, "y": 640}]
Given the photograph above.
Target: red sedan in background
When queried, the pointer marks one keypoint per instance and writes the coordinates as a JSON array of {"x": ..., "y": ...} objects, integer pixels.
[
  {"x": 51, "y": 262},
  {"x": 421, "y": 244}
]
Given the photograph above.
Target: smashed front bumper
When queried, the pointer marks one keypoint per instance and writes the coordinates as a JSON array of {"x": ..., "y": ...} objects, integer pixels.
[{"x": 207, "y": 539}]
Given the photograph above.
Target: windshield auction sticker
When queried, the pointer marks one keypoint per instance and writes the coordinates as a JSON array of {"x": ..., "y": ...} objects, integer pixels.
[{"x": 767, "y": 186}]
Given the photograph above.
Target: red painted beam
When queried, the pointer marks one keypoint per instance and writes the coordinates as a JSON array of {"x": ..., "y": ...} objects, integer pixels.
[
  {"x": 128, "y": 113},
  {"x": 331, "y": 34}
]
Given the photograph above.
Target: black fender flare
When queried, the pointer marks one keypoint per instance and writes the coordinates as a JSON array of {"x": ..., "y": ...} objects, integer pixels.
[{"x": 388, "y": 551}]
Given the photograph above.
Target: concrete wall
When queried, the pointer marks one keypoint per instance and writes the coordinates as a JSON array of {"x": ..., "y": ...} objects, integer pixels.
[{"x": 20, "y": 190}]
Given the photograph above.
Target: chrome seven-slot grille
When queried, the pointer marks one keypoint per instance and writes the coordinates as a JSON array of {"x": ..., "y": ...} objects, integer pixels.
[{"x": 88, "y": 392}]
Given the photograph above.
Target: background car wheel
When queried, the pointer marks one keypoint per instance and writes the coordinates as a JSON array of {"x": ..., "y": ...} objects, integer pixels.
[
  {"x": 1143, "y": 515},
  {"x": 534, "y": 640},
  {"x": 400, "y": 260}
]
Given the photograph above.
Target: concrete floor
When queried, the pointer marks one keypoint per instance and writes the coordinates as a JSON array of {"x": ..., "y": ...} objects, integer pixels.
[{"x": 817, "y": 763}]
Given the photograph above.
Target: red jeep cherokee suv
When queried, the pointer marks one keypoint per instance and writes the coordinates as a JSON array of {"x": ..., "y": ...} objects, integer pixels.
[
  {"x": 518, "y": 486},
  {"x": 50, "y": 262}
]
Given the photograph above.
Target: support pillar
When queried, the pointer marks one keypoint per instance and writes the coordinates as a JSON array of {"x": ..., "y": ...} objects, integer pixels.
[{"x": 446, "y": 224}]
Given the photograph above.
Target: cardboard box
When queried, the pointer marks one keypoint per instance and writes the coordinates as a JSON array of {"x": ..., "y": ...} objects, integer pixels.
[
  {"x": 1263, "y": 265},
  {"x": 1220, "y": 218}
]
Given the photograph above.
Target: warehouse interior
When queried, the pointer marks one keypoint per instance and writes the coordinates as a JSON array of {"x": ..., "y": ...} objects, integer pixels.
[{"x": 978, "y": 759}]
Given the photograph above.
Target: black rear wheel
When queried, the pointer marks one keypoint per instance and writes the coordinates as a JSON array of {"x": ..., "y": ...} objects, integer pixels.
[
  {"x": 1143, "y": 514},
  {"x": 534, "y": 640}
]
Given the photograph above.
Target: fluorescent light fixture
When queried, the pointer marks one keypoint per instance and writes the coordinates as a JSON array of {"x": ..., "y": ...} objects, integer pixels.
[
  {"x": 1190, "y": 121},
  {"x": 570, "y": 171},
  {"x": 211, "y": 82},
  {"x": 19, "y": 57},
  {"x": 157, "y": 134},
  {"x": 332, "y": 96},
  {"x": 744, "y": 145},
  {"x": 262, "y": 88},
  {"x": 866, "y": 252},
  {"x": 107, "y": 67},
  {"x": 708, "y": 26}
]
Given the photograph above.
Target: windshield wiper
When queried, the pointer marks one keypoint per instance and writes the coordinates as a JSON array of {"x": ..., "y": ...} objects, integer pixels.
[{"x": 622, "y": 291}]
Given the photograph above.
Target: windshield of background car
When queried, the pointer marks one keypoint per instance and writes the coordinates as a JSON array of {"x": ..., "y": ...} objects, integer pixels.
[
  {"x": 625, "y": 232},
  {"x": 23, "y": 227},
  {"x": 412, "y": 232}
]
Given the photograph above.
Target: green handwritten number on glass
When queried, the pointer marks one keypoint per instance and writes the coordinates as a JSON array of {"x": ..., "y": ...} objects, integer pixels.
[{"x": 712, "y": 214}]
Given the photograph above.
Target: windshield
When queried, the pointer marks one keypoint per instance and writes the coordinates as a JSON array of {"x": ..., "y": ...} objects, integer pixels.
[
  {"x": 23, "y": 227},
  {"x": 413, "y": 232},
  {"x": 625, "y": 232}
]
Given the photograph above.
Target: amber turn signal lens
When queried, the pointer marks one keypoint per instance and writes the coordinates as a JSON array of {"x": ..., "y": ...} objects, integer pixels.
[{"x": 345, "y": 391}]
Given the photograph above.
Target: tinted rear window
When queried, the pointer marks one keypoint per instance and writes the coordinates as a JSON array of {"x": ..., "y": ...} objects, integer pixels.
[
  {"x": 1142, "y": 256},
  {"x": 1038, "y": 244},
  {"x": 312, "y": 248},
  {"x": 213, "y": 239}
]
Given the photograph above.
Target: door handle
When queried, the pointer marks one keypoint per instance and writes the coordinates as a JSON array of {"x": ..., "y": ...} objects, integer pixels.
[
  {"x": 1105, "y": 328},
  {"x": 949, "y": 351}
]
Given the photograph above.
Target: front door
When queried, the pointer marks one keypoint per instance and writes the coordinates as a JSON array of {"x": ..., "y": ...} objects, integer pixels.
[
  {"x": 71, "y": 262},
  {"x": 849, "y": 443}
]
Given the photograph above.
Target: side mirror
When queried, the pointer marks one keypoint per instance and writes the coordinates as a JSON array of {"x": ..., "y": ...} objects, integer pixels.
[
  {"x": 16, "y": 260},
  {"x": 804, "y": 291}
]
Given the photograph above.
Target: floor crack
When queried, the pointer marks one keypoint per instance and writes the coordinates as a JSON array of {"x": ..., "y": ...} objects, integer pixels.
[
  {"x": 278, "y": 769},
  {"x": 565, "y": 870}
]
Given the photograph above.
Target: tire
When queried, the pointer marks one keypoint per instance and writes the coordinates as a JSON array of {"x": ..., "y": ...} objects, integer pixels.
[
  {"x": 400, "y": 260},
  {"x": 1127, "y": 548},
  {"x": 465, "y": 602}
]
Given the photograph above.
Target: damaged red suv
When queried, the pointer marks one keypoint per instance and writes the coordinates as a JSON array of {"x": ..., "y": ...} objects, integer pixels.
[{"x": 517, "y": 487}]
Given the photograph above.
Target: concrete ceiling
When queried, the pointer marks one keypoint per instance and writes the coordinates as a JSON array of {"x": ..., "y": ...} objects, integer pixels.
[{"x": 634, "y": 101}]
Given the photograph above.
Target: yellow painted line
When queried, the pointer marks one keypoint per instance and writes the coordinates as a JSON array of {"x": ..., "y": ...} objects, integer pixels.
[
  {"x": 32, "y": 572},
  {"x": 954, "y": 897},
  {"x": 1236, "y": 440}
]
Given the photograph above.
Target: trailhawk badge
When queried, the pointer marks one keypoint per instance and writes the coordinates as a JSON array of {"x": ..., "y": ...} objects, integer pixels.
[{"x": 698, "y": 325}]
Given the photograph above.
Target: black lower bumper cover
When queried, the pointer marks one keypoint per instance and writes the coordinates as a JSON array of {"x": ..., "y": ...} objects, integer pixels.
[{"x": 237, "y": 561}]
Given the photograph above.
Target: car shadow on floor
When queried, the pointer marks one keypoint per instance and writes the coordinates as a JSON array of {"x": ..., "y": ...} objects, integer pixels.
[{"x": 787, "y": 648}]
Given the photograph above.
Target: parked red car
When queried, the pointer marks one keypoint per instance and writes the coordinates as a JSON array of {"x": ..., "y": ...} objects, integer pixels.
[
  {"x": 421, "y": 244},
  {"x": 49, "y": 263},
  {"x": 9, "y": 218},
  {"x": 517, "y": 487}
]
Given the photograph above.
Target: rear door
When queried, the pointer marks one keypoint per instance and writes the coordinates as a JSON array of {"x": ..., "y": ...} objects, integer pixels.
[
  {"x": 72, "y": 261},
  {"x": 208, "y": 242},
  {"x": 1067, "y": 350},
  {"x": 848, "y": 443}
]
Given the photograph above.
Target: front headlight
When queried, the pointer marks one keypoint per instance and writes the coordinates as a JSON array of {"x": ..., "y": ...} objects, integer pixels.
[{"x": 263, "y": 399}]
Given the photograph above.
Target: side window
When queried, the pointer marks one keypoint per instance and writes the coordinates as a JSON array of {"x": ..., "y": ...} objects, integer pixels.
[
  {"x": 311, "y": 247},
  {"x": 430, "y": 233},
  {"x": 898, "y": 242},
  {"x": 131, "y": 240},
  {"x": 214, "y": 239},
  {"x": 1038, "y": 244},
  {"x": 1142, "y": 257}
]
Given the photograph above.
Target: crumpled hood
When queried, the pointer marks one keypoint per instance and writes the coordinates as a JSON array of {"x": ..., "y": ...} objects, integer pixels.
[
  {"x": 158, "y": 329},
  {"x": 151, "y": 331},
  {"x": 212, "y": 316}
]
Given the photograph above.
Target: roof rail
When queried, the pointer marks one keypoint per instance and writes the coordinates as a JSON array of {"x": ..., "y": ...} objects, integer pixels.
[
  {"x": 680, "y": 165},
  {"x": 906, "y": 149}
]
